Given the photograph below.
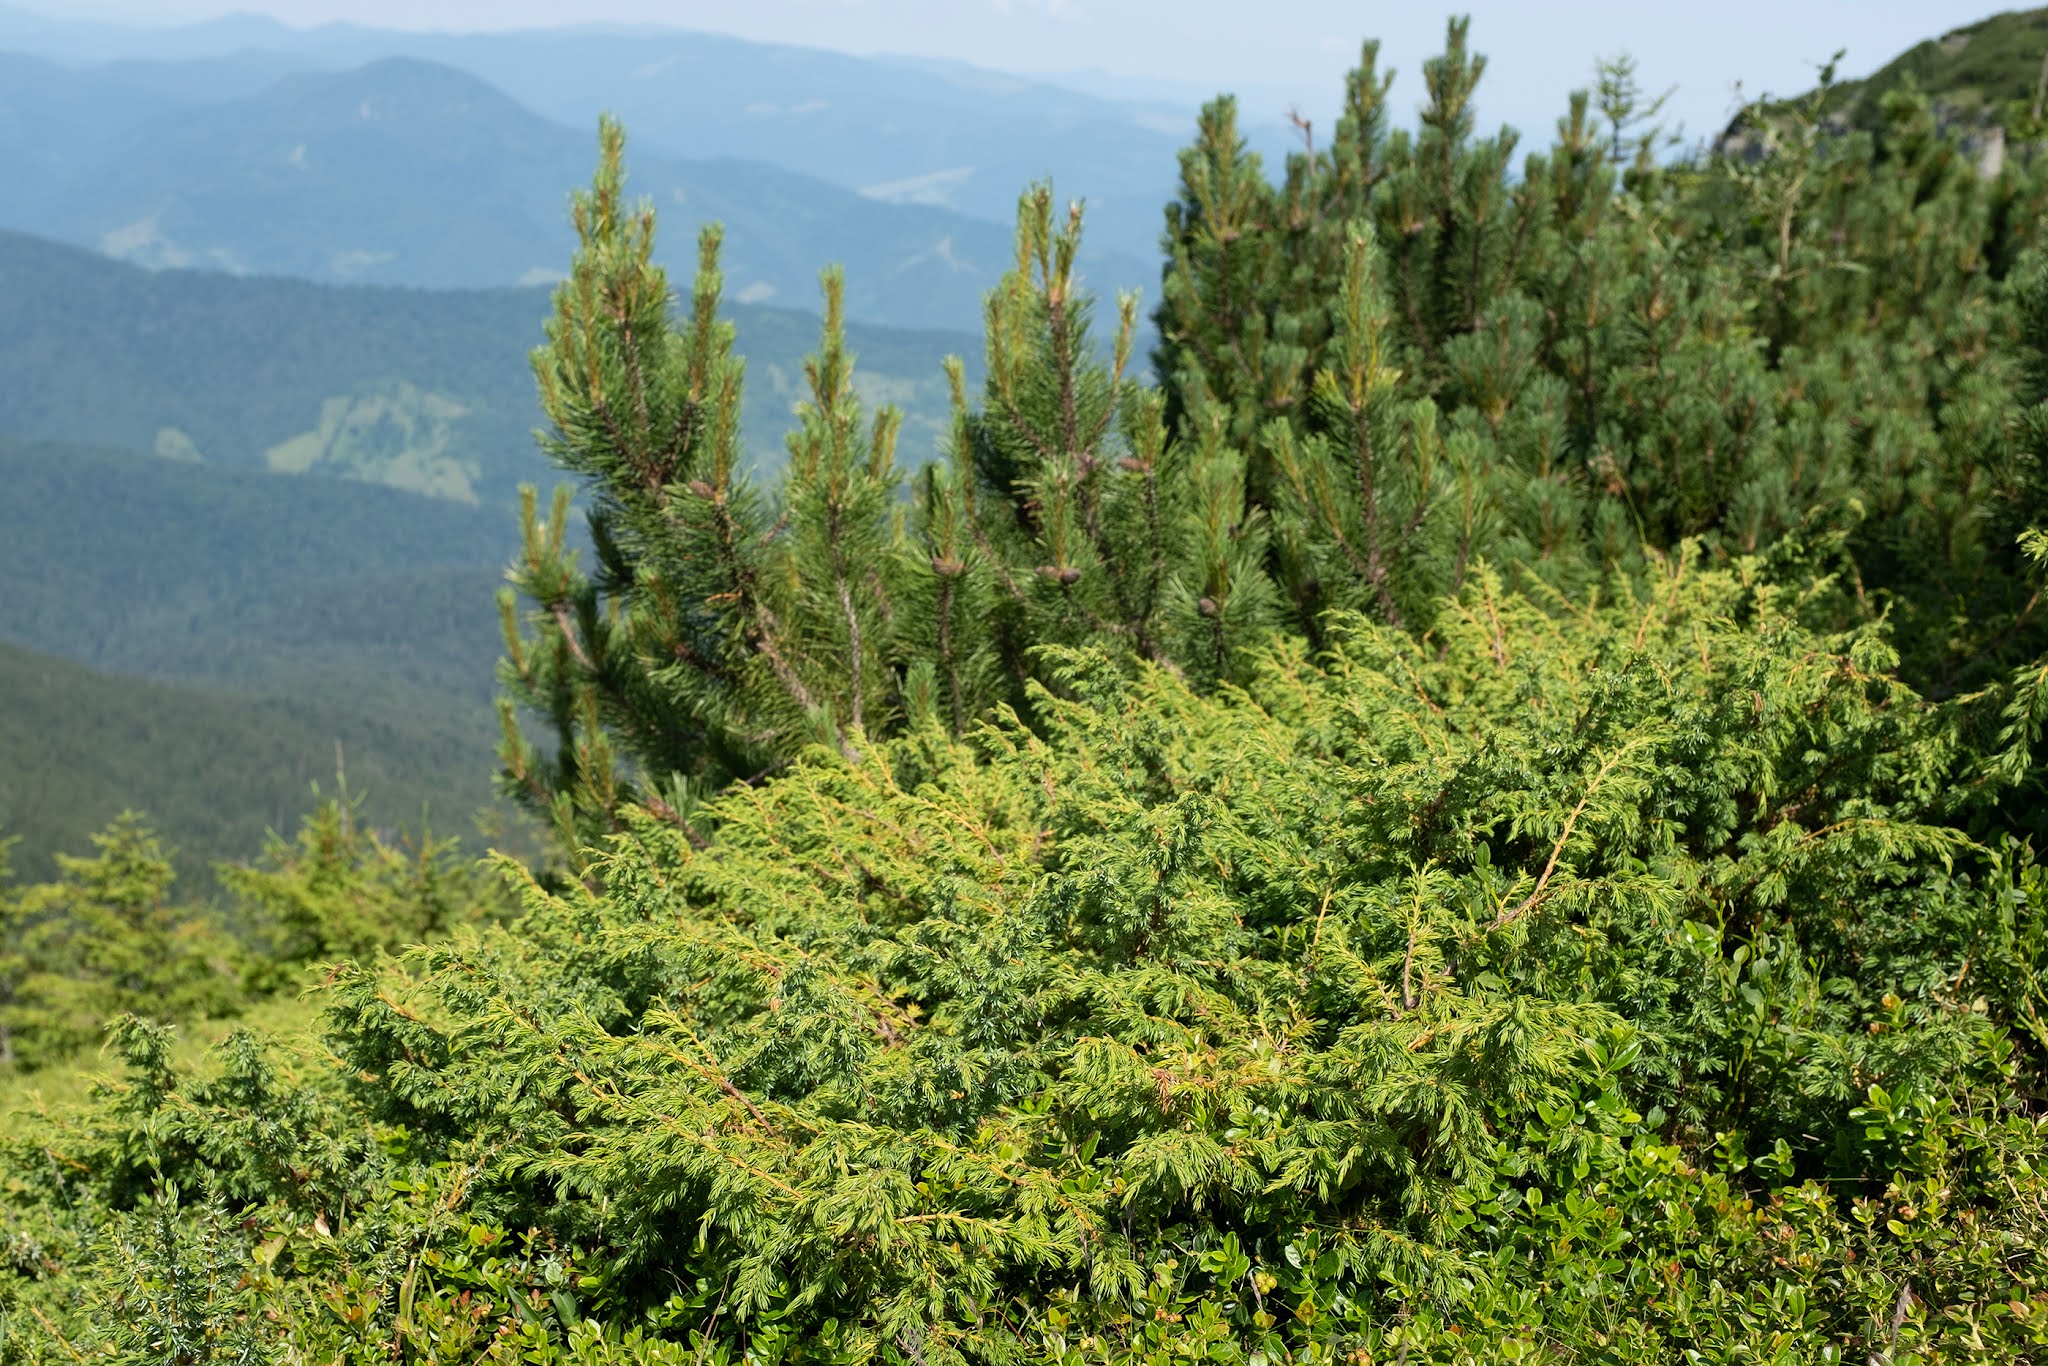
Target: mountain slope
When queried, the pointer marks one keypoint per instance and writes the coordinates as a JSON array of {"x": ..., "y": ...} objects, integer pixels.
[
  {"x": 52, "y": 119},
  {"x": 1973, "y": 71},
  {"x": 428, "y": 390},
  {"x": 908, "y": 132},
  {"x": 901, "y": 129},
  {"x": 316, "y": 588},
  {"x": 414, "y": 173},
  {"x": 256, "y": 621},
  {"x": 77, "y": 38},
  {"x": 214, "y": 771}
]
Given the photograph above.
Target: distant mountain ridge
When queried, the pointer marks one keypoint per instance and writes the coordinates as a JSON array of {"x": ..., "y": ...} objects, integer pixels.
[
  {"x": 923, "y": 131},
  {"x": 414, "y": 173},
  {"x": 428, "y": 390}
]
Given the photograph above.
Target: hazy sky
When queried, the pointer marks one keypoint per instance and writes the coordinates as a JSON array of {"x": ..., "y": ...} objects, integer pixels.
[{"x": 1271, "y": 49}]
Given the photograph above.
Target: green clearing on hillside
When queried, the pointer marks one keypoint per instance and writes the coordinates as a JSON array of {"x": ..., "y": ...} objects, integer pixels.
[{"x": 249, "y": 373}]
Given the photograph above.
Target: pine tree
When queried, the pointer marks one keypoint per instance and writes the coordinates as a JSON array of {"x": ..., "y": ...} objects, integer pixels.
[
  {"x": 1404, "y": 360},
  {"x": 104, "y": 939},
  {"x": 1623, "y": 353},
  {"x": 729, "y": 628},
  {"x": 1353, "y": 495}
]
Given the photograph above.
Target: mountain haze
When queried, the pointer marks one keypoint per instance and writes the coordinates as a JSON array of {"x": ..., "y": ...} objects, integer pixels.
[
  {"x": 897, "y": 129},
  {"x": 413, "y": 173}
]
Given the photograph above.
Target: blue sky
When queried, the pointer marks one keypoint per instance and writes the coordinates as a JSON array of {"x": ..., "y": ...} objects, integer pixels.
[{"x": 1273, "y": 51}]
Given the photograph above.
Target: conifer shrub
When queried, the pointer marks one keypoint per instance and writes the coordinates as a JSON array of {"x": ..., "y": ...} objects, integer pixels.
[
  {"x": 103, "y": 939},
  {"x": 1406, "y": 358},
  {"x": 1570, "y": 974},
  {"x": 1485, "y": 818},
  {"x": 960, "y": 1032}
]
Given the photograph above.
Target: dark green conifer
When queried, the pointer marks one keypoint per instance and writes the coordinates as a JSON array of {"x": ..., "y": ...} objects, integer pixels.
[
  {"x": 727, "y": 628},
  {"x": 103, "y": 939}
]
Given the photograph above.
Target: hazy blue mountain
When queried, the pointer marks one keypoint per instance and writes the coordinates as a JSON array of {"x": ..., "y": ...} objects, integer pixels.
[
  {"x": 52, "y": 120},
  {"x": 896, "y": 129},
  {"x": 426, "y": 390},
  {"x": 102, "y": 40},
  {"x": 408, "y": 172},
  {"x": 905, "y": 131}
]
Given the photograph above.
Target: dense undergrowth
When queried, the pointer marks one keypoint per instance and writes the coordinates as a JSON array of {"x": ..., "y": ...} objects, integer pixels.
[{"x": 1488, "y": 817}]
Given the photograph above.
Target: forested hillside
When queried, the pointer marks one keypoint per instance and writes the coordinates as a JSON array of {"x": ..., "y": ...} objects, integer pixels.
[
  {"x": 1986, "y": 73},
  {"x": 423, "y": 390},
  {"x": 1488, "y": 809},
  {"x": 216, "y": 768},
  {"x": 327, "y": 612},
  {"x": 137, "y": 564}
]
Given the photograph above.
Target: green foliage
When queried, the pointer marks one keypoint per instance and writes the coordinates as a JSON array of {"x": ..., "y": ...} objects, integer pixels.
[
  {"x": 102, "y": 940},
  {"x": 978, "y": 1025},
  {"x": 727, "y": 628},
  {"x": 1486, "y": 819},
  {"x": 106, "y": 939},
  {"x": 1408, "y": 358},
  {"x": 1812, "y": 340},
  {"x": 181, "y": 1298},
  {"x": 1534, "y": 982},
  {"x": 339, "y": 890}
]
